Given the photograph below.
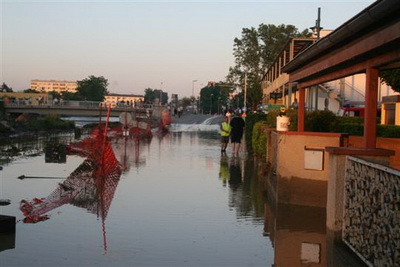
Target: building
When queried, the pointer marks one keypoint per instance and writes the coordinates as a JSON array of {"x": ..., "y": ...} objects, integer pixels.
[
  {"x": 20, "y": 98},
  {"x": 53, "y": 85},
  {"x": 123, "y": 99},
  {"x": 332, "y": 95}
]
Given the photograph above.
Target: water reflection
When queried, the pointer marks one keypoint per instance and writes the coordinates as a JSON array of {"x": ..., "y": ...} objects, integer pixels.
[
  {"x": 7, "y": 241},
  {"x": 295, "y": 221},
  {"x": 93, "y": 183},
  {"x": 32, "y": 146},
  {"x": 241, "y": 175}
]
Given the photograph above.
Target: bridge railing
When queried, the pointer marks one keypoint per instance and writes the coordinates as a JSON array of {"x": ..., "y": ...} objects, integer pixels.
[
  {"x": 74, "y": 104},
  {"x": 83, "y": 108}
]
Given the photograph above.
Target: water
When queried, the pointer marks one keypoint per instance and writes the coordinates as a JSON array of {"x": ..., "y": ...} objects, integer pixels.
[
  {"x": 83, "y": 120},
  {"x": 177, "y": 202}
]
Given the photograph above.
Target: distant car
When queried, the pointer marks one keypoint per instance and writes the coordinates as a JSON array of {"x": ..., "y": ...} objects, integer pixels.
[
  {"x": 268, "y": 107},
  {"x": 356, "y": 112}
]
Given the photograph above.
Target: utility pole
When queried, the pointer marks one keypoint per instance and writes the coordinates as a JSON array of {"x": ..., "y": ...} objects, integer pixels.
[
  {"x": 245, "y": 89},
  {"x": 161, "y": 94},
  {"x": 317, "y": 28}
]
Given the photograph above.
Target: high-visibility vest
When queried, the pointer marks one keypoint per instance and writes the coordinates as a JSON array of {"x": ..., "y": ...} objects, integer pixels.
[{"x": 226, "y": 127}]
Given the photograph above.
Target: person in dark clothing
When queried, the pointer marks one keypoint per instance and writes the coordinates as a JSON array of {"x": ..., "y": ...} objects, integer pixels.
[{"x": 237, "y": 125}]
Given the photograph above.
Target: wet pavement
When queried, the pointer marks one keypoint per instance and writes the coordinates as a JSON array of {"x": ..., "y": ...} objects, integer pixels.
[
  {"x": 176, "y": 202},
  {"x": 173, "y": 200}
]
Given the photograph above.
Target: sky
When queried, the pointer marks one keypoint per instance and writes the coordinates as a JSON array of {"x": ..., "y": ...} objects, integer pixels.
[{"x": 176, "y": 46}]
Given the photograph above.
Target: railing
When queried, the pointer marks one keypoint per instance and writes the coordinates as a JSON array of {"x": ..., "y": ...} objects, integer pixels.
[
  {"x": 76, "y": 104},
  {"x": 352, "y": 93},
  {"x": 82, "y": 108},
  {"x": 371, "y": 223},
  {"x": 344, "y": 92}
]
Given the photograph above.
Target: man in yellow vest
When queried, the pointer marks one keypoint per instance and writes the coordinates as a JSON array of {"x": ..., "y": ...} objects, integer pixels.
[{"x": 225, "y": 132}]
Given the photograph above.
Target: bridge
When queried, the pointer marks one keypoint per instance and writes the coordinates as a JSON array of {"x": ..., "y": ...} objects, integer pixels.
[{"x": 83, "y": 108}]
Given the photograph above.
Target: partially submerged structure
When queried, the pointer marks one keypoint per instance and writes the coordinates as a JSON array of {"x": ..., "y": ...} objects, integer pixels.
[{"x": 361, "y": 188}]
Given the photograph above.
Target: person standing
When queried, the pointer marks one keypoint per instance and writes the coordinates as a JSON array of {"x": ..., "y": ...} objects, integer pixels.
[
  {"x": 237, "y": 123},
  {"x": 295, "y": 104},
  {"x": 225, "y": 132}
]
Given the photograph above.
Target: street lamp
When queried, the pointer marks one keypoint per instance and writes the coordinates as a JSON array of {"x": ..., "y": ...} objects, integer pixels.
[
  {"x": 193, "y": 86},
  {"x": 219, "y": 99},
  {"x": 317, "y": 28},
  {"x": 211, "y": 103},
  {"x": 161, "y": 94}
]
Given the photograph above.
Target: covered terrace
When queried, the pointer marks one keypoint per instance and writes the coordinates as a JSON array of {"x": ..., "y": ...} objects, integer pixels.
[{"x": 360, "y": 185}]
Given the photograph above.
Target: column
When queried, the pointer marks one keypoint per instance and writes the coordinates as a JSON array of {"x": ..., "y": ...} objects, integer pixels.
[
  {"x": 371, "y": 100},
  {"x": 300, "y": 111}
]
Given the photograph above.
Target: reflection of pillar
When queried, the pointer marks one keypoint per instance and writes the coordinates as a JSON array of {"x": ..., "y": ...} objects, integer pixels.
[
  {"x": 300, "y": 114},
  {"x": 300, "y": 236},
  {"x": 371, "y": 100}
]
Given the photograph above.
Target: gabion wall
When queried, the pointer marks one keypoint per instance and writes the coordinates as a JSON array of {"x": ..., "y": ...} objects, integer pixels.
[{"x": 371, "y": 223}]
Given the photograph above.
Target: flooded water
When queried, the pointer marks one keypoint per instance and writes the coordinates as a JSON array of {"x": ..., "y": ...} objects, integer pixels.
[
  {"x": 177, "y": 202},
  {"x": 173, "y": 200}
]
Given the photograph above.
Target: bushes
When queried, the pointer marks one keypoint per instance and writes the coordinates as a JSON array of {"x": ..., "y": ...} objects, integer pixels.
[
  {"x": 390, "y": 131},
  {"x": 251, "y": 120},
  {"x": 259, "y": 139},
  {"x": 49, "y": 123},
  {"x": 320, "y": 121},
  {"x": 350, "y": 128},
  {"x": 315, "y": 121}
]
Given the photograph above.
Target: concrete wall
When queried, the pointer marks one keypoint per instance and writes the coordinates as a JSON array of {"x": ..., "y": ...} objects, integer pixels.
[
  {"x": 386, "y": 143},
  {"x": 291, "y": 149}
]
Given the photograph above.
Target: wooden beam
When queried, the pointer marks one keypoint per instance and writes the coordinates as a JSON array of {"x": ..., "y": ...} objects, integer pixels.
[
  {"x": 360, "y": 67},
  {"x": 348, "y": 52}
]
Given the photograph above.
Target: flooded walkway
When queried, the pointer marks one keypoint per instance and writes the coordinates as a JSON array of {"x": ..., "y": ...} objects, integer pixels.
[
  {"x": 175, "y": 204},
  {"x": 173, "y": 201}
]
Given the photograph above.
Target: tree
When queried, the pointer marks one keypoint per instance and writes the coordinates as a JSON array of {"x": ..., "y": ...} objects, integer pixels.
[
  {"x": 31, "y": 91},
  {"x": 149, "y": 95},
  {"x": 392, "y": 78},
  {"x": 214, "y": 96},
  {"x": 92, "y": 88},
  {"x": 5, "y": 88},
  {"x": 69, "y": 96},
  {"x": 255, "y": 52}
]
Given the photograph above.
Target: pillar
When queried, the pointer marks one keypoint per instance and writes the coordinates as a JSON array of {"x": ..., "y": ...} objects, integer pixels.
[
  {"x": 371, "y": 100},
  {"x": 301, "y": 111},
  {"x": 397, "y": 114}
]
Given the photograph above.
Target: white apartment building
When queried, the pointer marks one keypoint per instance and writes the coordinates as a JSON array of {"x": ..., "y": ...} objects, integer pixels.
[
  {"x": 53, "y": 85},
  {"x": 121, "y": 98}
]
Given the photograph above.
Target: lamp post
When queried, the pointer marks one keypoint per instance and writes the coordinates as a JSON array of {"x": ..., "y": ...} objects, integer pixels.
[
  {"x": 219, "y": 99},
  {"x": 317, "y": 28},
  {"x": 161, "y": 94},
  {"x": 193, "y": 87},
  {"x": 245, "y": 90},
  {"x": 211, "y": 103}
]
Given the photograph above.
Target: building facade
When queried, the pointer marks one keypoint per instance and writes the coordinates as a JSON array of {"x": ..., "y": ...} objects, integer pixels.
[
  {"x": 332, "y": 95},
  {"x": 53, "y": 85},
  {"x": 123, "y": 99}
]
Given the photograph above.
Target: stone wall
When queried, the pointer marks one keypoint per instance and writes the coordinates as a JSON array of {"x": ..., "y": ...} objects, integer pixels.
[{"x": 371, "y": 224}]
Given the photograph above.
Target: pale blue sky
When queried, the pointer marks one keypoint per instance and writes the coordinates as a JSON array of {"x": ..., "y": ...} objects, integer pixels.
[{"x": 138, "y": 45}]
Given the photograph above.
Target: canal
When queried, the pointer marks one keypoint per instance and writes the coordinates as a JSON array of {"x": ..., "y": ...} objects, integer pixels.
[{"x": 174, "y": 201}]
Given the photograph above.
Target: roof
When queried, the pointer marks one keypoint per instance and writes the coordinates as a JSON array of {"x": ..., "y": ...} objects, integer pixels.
[{"x": 373, "y": 32}]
